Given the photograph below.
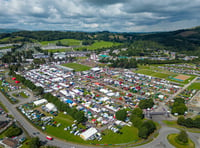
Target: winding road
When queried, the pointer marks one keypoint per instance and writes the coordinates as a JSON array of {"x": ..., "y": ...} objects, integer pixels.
[{"x": 159, "y": 142}]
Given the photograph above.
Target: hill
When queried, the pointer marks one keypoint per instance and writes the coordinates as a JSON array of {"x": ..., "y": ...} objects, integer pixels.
[
  {"x": 185, "y": 40},
  {"x": 8, "y": 30}
]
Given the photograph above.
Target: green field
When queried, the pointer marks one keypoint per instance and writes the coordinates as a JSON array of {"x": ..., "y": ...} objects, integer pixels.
[
  {"x": 1, "y": 48},
  {"x": 77, "y": 67},
  {"x": 194, "y": 86},
  {"x": 59, "y": 50},
  {"x": 69, "y": 42},
  {"x": 152, "y": 73},
  {"x": 153, "y": 70},
  {"x": 23, "y": 95},
  {"x": 172, "y": 139},
  {"x": 98, "y": 45},
  {"x": 129, "y": 134}
]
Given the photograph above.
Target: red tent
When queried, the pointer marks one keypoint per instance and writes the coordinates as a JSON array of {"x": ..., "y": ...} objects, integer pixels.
[
  {"x": 17, "y": 81},
  {"x": 13, "y": 78}
]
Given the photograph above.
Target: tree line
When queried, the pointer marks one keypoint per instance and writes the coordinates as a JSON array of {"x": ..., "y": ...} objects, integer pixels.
[
  {"x": 37, "y": 89},
  {"x": 64, "y": 107},
  {"x": 189, "y": 122}
]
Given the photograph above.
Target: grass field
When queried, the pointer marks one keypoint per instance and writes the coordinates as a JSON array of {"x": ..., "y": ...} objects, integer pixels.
[
  {"x": 23, "y": 95},
  {"x": 154, "y": 71},
  {"x": 1, "y": 48},
  {"x": 172, "y": 139},
  {"x": 69, "y": 42},
  {"x": 194, "y": 86},
  {"x": 58, "y": 50},
  {"x": 77, "y": 67},
  {"x": 128, "y": 133},
  {"x": 98, "y": 45}
]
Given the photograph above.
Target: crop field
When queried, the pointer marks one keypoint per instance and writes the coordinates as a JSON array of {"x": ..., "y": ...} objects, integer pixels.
[
  {"x": 77, "y": 67},
  {"x": 69, "y": 42}
]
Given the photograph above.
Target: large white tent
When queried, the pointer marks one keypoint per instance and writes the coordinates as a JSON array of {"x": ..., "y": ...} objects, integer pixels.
[{"x": 88, "y": 133}]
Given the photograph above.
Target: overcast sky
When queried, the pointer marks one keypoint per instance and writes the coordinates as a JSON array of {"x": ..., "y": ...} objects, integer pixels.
[{"x": 100, "y": 15}]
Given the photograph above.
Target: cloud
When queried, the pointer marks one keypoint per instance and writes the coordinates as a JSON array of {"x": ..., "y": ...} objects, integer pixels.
[{"x": 98, "y": 15}]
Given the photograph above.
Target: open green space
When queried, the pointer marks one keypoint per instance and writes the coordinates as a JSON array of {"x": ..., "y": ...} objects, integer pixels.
[
  {"x": 1, "y": 48},
  {"x": 175, "y": 125},
  {"x": 3, "y": 107},
  {"x": 77, "y": 67},
  {"x": 68, "y": 42},
  {"x": 98, "y": 45},
  {"x": 194, "y": 86},
  {"x": 129, "y": 134},
  {"x": 59, "y": 50},
  {"x": 23, "y": 95},
  {"x": 154, "y": 71},
  {"x": 174, "y": 141}
]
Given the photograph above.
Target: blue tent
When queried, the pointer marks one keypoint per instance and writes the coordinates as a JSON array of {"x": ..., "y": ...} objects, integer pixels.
[{"x": 69, "y": 101}]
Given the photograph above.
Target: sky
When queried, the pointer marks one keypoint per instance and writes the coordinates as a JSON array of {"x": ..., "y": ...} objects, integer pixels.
[{"x": 100, "y": 15}]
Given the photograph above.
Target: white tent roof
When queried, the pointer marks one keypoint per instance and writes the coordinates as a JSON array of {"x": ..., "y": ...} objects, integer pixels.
[
  {"x": 88, "y": 133},
  {"x": 51, "y": 107},
  {"x": 39, "y": 102}
]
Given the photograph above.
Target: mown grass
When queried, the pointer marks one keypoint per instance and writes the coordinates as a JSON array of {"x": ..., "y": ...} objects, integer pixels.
[
  {"x": 69, "y": 42},
  {"x": 1, "y": 48},
  {"x": 194, "y": 86},
  {"x": 129, "y": 134},
  {"x": 3, "y": 107},
  {"x": 77, "y": 67},
  {"x": 154, "y": 71},
  {"x": 174, "y": 141},
  {"x": 99, "y": 45},
  {"x": 23, "y": 95}
]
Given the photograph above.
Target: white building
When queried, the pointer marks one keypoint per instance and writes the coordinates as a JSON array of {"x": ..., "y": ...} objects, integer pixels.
[
  {"x": 40, "y": 102},
  {"x": 88, "y": 133},
  {"x": 50, "y": 107}
]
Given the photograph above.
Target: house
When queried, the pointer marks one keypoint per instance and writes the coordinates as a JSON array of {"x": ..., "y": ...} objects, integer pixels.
[{"x": 9, "y": 143}]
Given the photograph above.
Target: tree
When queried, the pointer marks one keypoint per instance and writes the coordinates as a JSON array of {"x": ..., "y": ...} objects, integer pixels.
[
  {"x": 136, "y": 121},
  {"x": 80, "y": 117},
  {"x": 179, "y": 106},
  {"x": 143, "y": 132},
  {"x": 183, "y": 137},
  {"x": 121, "y": 115},
  {"x": 13, "y": 131},
  {"x": 137, "y": 112},
  {"x": 147, "y": 103},
  {"x": 181, "y": 120},
  {"x": 34, "y": 142},
  {"x": 150, "y": 125}
]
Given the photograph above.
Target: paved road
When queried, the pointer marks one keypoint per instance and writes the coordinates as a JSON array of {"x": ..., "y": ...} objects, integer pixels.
[
  {"x": 30, "y": 129},
  {"x": 22, "y": 100},
  {"x": 182, "y": 89},
  {"x": 159, "y": 142},
  {"x": 162, "y": 142}
]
